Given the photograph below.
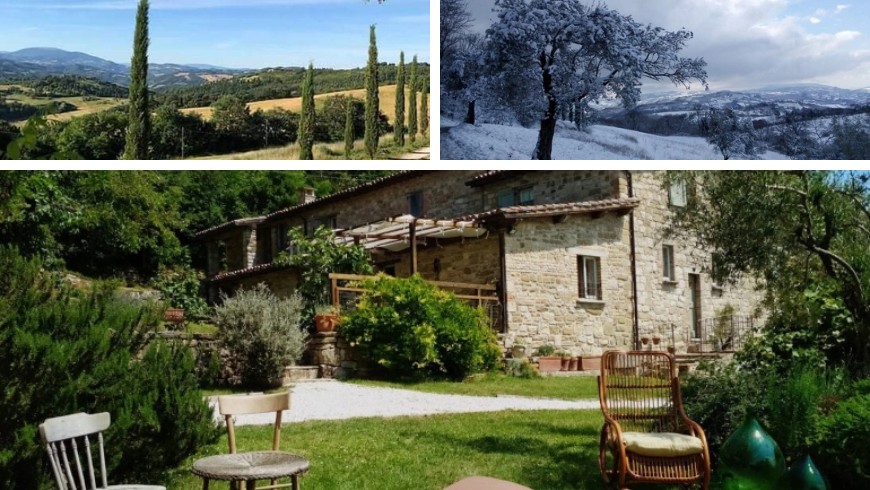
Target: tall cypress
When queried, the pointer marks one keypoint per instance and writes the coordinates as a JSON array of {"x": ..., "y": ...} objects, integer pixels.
[
  {"x": 372, "y": 100},
  {"x": 424, "y": 111},
  {"x": 399, "y": 134},
  {"x": 139, "y": 125},
  {"x": 412, "y": 102},
  {"x": 308, "y": 116},
  {"x": 348, "y": 129}
]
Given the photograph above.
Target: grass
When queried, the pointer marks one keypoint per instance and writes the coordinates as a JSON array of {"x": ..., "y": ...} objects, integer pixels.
[
  {"x": 565, "y": 388},
  {"x": 197, "y": 327},
  {"x": 84, "y": 106},
  {"x": 544, "y": 450},
  {"x": 327, "y": 151},
  {"x": 387, "y": 98}
]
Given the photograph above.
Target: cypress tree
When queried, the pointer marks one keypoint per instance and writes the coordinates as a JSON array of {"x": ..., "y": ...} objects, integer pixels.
[
  {"x": 307, "y": 118},
  {"x": 424, "y": 111},
  {"x": 399, "y": 135},
  {"x": 372, "y": 101},
  {"x": 348, "y": 130},
  {"x": 412, "y": 103},
  {"x": 139, "y": 126}
]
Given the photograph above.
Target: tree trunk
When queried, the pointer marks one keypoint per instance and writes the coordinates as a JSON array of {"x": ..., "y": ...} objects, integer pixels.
[
  {"x": 469, "y": 118},
  {"x": 544, "y": 148}
]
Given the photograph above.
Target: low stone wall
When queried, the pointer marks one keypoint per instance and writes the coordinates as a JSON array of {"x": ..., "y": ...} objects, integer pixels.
[
  {"x": 207, "y": 350},
  {"x": 335, "y": 358}
]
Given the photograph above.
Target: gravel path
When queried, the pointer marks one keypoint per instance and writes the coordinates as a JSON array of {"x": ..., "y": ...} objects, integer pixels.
[{"x": 330, "y": 400}]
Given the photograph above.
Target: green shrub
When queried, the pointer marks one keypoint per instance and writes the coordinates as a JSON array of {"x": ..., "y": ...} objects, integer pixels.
[
  {"x": 180, "y": 288},
  {"x": 413, "y": 328},
  {"x": 545, "y": 350},
  {"x": 64, "y": 351},
  {"x": 262, "y": 332},
  {"x": 521, "y": 368},
  {"x": 841, "y": 442}
]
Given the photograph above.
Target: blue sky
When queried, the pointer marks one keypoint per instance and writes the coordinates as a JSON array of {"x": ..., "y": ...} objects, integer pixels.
[
  {"x": 231, "y": 33},
  {"x": 755, "y": 43}
]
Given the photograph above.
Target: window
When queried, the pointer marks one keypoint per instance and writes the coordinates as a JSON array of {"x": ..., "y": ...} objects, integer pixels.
[
  {"x": 668, "y": 263},
  {"x": 677, "y": 194},
  {"x": 415, "y": 204},
  {"x": 589, "y": 274},
  {"x": 524, "y": 196},
  {"x": 330, "y": 222},
  {"x": 280, "y": 240}
]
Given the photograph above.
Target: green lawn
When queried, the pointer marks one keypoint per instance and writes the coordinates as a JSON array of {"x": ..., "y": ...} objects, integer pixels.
[
  {"x": 545, "y": 450},
  {"x": 566, "y": 388}
]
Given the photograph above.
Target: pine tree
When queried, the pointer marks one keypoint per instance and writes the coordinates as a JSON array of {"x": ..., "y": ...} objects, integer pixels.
[
  {"x": 424, "y": 111},
  {"x": 308, "y": 116},
  {"x": 139, "y": 126},
  {"x": 399, "y": 135},
  {"x": 348, "y": 130},
  {"x": 412, "y": 103},
  {"x": 372, "y": 101}
]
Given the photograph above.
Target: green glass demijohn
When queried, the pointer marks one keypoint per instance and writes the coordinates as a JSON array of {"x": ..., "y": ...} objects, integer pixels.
[
  {"x": 750, "y": 459},
  {"x": 803, "y": 475}
]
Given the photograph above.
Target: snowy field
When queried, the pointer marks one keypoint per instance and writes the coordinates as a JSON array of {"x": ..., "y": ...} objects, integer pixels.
[{"x": 494, "y": 142}]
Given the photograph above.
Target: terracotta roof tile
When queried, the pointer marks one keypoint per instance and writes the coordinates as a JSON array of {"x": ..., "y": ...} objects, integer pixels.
[
  {"x": 238, "y": 274},
  {"x": 540, "y": 210},
  {"x": 229, "y": 224},
  {"x": 493, "y": 176}
]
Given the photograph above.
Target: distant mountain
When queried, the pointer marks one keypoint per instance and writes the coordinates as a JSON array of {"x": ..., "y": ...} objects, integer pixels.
[
  {"x": 40, "y": 62},
  {"x": 758, "y": 103}
]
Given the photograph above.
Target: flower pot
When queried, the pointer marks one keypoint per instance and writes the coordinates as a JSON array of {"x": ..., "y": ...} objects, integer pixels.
[
  {"x": 549, "y": 364},
  {"x": 671, "y": 349},
  {"x": 325, "y": 323},
  {"x": 656, "y": 340},
  {"x": 644, "y": 340},
  {"x": 565, "y": 363},
  {"x": 590, "y": 363},
  {"x": 518, "y": 352},
  {"x": 572, "y": 364}
]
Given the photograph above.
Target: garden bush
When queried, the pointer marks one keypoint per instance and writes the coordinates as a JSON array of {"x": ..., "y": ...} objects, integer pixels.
[
  {"x": 180, "y": 288},
  {"x": 64, "y": 351},
  {"x": 840, "y": 445},
  {"x": 262, "y": 332},
  {"x": 412, "y": 328}
]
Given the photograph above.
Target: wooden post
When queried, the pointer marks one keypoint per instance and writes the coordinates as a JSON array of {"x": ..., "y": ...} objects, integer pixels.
[
  {"x": 334, "y": 289},
  {"x": 413, "y": 230}
]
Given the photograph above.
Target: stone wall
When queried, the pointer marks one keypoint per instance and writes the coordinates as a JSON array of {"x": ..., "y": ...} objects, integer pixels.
[
  {"x": 205, "y": 348},
  {"x": 557, "y": 186},
  {"x": 335, "y": 358},
  {"x": 663, "y": 303},
  {"x": 473, "y": 260},
  {"x": 543, "y": 304},
  {"x": 282, "y": 282}
]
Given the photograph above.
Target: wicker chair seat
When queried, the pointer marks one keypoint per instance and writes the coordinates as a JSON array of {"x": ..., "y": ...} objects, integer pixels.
[
  {"x": 258, "y": 465},
  {"x": 662, "y": 444}
]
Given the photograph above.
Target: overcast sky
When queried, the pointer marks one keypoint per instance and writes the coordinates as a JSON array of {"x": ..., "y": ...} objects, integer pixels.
[
  {"x": 231, "y": 33},
  {"x": 755, "y": 43}
]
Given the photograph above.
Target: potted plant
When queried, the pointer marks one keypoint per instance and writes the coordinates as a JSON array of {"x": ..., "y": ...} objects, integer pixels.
[
  {"x": 547, "y": 361},
  {"x": 518, "y": 351},
  {"x": 573, "y": 363},
  {"x": 644, "y": 340},
  {"x": 656, "y": 340},
  {"x": 325, "y": 318},
  {"x": 565, "y": 361}
]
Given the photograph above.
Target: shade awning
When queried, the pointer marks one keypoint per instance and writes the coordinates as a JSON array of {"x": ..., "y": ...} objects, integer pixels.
[{"x": 395, "y": 234}]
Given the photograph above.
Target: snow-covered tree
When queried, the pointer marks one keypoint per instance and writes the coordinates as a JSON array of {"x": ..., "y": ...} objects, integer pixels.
[
  {"x": 455, "y": 21},
  {"x": 578, "y": 54},
  {"x": 732, "y": 135},
  {"x": 464, "y": 74}
]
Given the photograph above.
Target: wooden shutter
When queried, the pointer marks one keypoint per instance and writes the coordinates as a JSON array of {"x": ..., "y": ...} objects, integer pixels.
[
  {"x": 600, "y": 292},
  {"x": 581, "y": 275}
]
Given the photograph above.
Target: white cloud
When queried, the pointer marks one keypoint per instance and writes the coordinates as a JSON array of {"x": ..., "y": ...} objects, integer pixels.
[
  {"x": 841, "y": 8},
  {"x": 815, "y": 20}
]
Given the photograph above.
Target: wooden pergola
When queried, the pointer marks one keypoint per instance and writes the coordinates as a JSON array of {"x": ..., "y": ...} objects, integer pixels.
[{"x": 406, "y": 231}]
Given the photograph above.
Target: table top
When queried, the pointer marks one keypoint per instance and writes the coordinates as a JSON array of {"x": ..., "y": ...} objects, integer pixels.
[{"x": 259, "y": 465}]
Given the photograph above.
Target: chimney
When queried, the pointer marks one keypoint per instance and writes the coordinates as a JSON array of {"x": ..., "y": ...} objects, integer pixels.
[{"x": 306, "y": 195}]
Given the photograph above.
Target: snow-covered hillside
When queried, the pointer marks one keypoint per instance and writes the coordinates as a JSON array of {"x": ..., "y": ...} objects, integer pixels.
[{"x": 494, "y": 142}]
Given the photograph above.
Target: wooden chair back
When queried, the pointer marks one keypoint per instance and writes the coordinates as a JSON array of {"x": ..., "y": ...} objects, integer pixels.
[
  {"x": 65, "y": 439},
  {"x": 248, "y": 404},
  {"x": 637, "y": 389}
]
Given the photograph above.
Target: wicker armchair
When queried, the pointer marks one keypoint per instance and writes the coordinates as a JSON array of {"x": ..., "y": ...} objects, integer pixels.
[{"x": 647, "y": 437}]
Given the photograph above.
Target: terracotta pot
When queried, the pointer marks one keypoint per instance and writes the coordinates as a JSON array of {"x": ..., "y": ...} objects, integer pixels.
[
  {"x": 644, "y": 340},
  {"x": 672, "y": 349},
  {"x": 656, "y": 340},
  {"x": 565, "y": 363},
  {"x": 572, "y": 363},
  {"x": 549, "y": 364},
  {"x": 326, "y": 323},
  {"x": 590, "y": 363}
]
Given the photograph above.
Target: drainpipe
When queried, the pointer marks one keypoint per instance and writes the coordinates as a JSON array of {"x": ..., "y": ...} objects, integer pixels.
[{"x": 634, "y": 323}]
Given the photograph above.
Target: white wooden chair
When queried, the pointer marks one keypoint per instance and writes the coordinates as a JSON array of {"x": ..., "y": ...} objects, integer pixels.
[{"x": 66, "y": 438}]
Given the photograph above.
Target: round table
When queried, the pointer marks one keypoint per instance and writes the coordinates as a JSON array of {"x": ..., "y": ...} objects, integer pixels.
[{"x": 250, "y": 467}]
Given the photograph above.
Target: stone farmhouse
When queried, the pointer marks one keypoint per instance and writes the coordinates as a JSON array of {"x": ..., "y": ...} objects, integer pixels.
[{"x": 578, "y": 259}]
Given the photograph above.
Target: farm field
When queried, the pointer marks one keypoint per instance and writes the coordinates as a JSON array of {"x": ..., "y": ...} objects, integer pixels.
[
  {"x": 85, "y": 105},
  {"x": 387, "y": 150},
  {"x": 387, "y": 102}
]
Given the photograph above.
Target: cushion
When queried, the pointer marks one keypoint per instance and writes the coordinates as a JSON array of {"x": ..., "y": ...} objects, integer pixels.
[
  {"x": 661, "y": 444},
  {"x": 484, "y": 483}
]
